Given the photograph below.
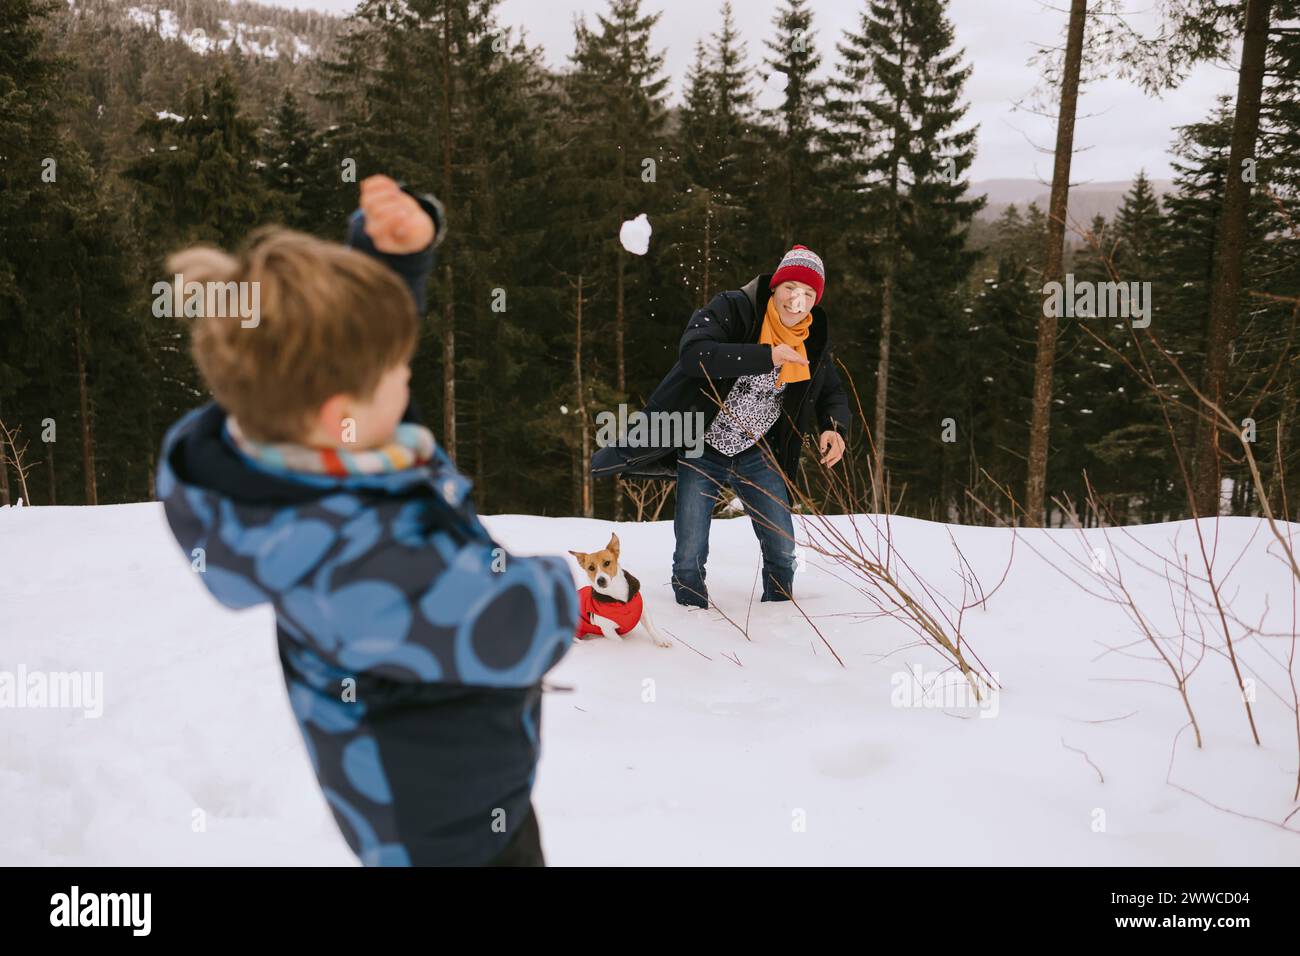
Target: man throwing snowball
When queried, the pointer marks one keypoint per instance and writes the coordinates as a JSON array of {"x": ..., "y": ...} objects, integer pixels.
[{"x": 765, "y": 351}]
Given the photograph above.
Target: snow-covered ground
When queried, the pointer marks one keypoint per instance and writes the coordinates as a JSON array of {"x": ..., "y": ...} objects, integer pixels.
[{"x": 758, "y": 750}]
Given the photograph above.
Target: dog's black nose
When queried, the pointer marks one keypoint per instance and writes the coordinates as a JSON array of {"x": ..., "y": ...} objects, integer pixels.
[{"x": 600, "y": 581}]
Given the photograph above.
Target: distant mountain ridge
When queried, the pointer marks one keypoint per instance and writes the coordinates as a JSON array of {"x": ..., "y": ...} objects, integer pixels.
[
  {"x": 1086, "y": 199},
  {"x": 207, "y": 26}
]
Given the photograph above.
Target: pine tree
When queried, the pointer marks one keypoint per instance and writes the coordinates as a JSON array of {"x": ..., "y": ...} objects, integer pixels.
[
  {"x": 616, "y": 97},
  {"x": 716, "y": 141},
  {"x": 796, "y": 197},
  {"x": 201, "y": 176},
  {"x": 70, "y": 343},
  {"x": 508, "y": 304},
  {"x": 444, "y": 99},
  {"x": 1036, "y": 489},
  {"x": 200, "y": 180},
  {"x": 292, "y": 165},
  {"x": 1083, "y": 372},
  {"x": 616, "y": 113},
  {"x": 1135, "y": 442},
  {"x": 988, "y": 378},
  {"x": 29, "y": 104},
  {"x": 1192, "y": 214},
  {"x": 1279, "y": 176},
  {"x": 896, "y": 112}
]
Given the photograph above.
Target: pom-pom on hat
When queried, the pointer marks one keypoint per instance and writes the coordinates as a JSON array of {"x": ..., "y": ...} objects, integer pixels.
[{"x": 801, "y": 264}]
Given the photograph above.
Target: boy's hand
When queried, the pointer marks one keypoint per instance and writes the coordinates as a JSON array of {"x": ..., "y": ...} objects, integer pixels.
[{"x": 395, "y": 222}]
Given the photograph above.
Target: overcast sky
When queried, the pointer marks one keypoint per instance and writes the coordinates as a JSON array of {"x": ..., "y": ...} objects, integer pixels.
[{"x": 1128, "y": 131}]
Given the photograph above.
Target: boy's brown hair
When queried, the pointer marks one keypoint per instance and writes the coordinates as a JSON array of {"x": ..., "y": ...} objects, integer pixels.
[{"x": 332, "y": 321}]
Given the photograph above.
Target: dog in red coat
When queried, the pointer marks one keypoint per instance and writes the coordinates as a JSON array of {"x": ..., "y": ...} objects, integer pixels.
[{"x": 611, "y": 605}]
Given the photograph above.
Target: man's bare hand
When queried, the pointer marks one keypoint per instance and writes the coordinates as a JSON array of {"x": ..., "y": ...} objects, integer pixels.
[
  {"x": 784, "y": 353},
  {"x": 395, "y": 222},
  {"x": 832, "y": 447}
]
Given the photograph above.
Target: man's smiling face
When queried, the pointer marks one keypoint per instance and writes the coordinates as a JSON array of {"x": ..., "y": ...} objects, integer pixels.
[{"x": 794, "y": 300}]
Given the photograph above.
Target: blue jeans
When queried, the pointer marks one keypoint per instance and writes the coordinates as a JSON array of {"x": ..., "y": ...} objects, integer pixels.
[{"x": 761, "y": 488}]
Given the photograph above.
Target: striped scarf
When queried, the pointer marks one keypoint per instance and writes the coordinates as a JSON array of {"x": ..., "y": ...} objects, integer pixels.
[{"x": 411, "y": 445}]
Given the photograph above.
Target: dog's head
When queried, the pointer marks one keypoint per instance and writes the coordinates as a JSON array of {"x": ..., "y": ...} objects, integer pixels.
[{"x": 601, "y": 566}]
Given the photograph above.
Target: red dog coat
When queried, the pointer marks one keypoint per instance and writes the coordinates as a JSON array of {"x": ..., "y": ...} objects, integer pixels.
[{"x": 624, "y": 614}]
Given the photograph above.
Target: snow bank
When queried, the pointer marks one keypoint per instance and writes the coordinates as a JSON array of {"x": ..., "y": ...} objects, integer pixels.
[{"x": 758, "y": 750}]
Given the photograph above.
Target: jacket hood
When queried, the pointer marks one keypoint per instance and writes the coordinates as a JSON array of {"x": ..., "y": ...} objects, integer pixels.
[
  {"x": 257, "y": 514},
  {"x": 199, "y": 445}
]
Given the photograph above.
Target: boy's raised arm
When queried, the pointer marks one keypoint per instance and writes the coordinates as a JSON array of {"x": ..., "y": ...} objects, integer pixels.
[{"x": 400, "y": 228}]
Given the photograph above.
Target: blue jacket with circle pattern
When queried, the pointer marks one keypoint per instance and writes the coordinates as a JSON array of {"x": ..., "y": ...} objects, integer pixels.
[{"x": 413, "y": 646}]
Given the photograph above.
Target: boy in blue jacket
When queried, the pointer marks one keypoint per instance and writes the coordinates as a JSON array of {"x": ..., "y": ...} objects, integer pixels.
[{"x": 413, "y": 646}]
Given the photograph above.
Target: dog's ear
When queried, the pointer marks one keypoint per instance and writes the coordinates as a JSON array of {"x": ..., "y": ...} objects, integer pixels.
[
  {"x": 580, "y": 555},
  {"x": 613, "y": 543}
]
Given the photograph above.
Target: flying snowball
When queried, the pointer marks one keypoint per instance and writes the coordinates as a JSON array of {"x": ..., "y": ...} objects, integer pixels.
[
  {"x": 777, "y": 81},
  {"x": 635, "y": 235}
]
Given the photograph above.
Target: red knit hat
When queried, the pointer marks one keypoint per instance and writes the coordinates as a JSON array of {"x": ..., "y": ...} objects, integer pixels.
[{"x": 801, "y": 264}]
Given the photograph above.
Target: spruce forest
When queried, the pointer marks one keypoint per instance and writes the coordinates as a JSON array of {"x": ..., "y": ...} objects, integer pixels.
[{"x": 130, "y": 129}]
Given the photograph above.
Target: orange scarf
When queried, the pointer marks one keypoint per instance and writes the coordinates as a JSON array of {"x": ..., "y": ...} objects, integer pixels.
[{"x": 776, "y": 332}]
